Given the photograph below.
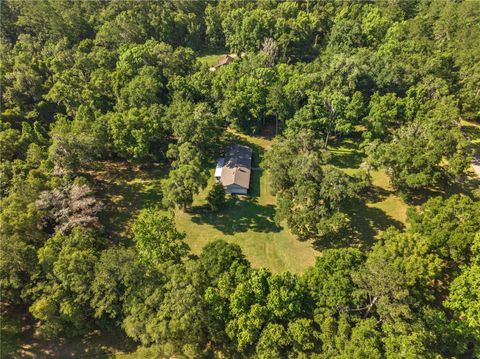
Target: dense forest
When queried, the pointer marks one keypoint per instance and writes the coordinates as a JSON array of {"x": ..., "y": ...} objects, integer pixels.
[{"x": 84, "y": 82}]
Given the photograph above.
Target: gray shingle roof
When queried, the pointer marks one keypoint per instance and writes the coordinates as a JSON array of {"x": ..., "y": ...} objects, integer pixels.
[{"x": 237, "y": 166}]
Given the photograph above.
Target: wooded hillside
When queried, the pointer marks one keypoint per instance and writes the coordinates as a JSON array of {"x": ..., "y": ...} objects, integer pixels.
[{"x": 144, "y": 88}]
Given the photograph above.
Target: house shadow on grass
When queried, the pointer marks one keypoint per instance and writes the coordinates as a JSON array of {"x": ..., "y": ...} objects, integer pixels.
[
  {"x": 254, "y": 191},
  {"x": 240, "y": 214}
]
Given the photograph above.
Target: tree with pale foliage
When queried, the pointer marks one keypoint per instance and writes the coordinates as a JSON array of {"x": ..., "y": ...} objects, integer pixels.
[{"x": 69, "y": 206}]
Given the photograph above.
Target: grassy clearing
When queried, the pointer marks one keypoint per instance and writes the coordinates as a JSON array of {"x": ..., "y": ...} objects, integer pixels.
[
  {"x": 249, "y": 222},
  {"x": 126, "y": 189},
  {"x": 393, "y": 206},
  {"x": 211, "y": 59},
  {"x": 382, "y": 207},
  {"x": 246, "y": 220}
]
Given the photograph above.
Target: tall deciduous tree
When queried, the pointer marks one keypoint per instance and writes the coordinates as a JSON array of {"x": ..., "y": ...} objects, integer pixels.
[
  {"x": 73, "y": 146},
  {"x": 119, "y": 274},
  {"x": 450, "y": 224},
  {"x": 330, "y": 282},
  {"x": 423, "y": 153},
  {"x": 195, "y": 124},
  {"x": 20, "y": 238},
  {"x": 325, "y": 113},
  {"x": 216, "y": 197},
  {"x": 62, "y": 300},
  {"x": 385, "y": 114},
  {"x": 185, "y": 179},
  {"x": 138, "y": 134},
  {"x": 244, "y": 100},
  {"x": 397, "y": 271},
  {"x": 464, "y": 295},
  {"x": 310, "y": 195},
  {"x": 157, "y": 239}
]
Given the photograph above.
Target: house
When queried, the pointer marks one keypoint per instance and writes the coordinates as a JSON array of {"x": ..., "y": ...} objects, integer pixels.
[
  {"x": 234, "y": 170},
  {"x": 218, "y": 169},
  {"x": 224, "y": 60}
]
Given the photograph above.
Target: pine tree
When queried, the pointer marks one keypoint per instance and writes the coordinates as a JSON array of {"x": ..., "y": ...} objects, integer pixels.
[{"x": 216, "y": 197}]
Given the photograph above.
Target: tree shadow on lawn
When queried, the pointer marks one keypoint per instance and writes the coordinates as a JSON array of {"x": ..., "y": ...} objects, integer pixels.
[
  {"x": 22, "y": 338},
  {"x": 123, "y": 201},
  {"x": 465, "y": 186},
  {"x": 123, "y": 198},
  {"x": 254, "y": 192},
  {"x": 365, "y": 223},
  {"x": 240, "y": 214},
  {"x": 347, "y": 160},
  {"x": 374, "y": 194},
  {"x": 368, "y": 221},
  {"x": 268, "y": 131},
  {"x": 344, "y": 153}
]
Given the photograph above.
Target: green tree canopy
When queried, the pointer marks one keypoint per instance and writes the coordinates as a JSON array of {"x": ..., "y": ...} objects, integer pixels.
[
  {"x": 156, "y": 238},
  {"x": 216, "y": 197}
]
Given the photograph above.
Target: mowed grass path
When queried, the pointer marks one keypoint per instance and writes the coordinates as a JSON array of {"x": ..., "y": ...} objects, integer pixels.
[{"x": 246, "y": 220}]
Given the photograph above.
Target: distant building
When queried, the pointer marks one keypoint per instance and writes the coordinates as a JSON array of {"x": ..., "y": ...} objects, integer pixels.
[
  {"x": 224, "y": 60},
  {"x": 234, "y": 170}
]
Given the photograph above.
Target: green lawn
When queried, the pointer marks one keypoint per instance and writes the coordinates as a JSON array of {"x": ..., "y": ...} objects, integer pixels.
[
  {"x": 472, "y": 131},
  {"x": 211, "y": 59},
  {"x": 249, "y": 222},
  {"x": 246, "y": 220},
  {"x": 382, "y": 207}
]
